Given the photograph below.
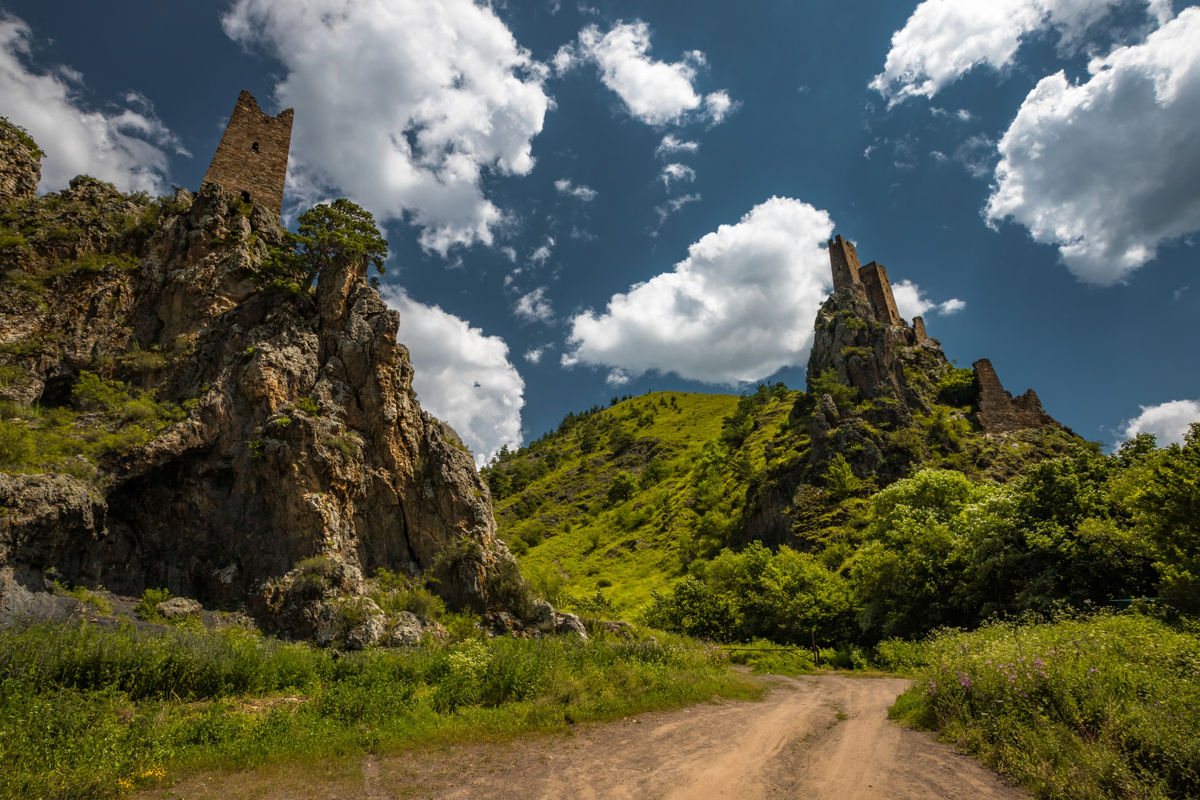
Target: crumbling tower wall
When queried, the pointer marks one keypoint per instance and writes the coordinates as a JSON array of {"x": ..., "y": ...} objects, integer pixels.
[
  {"x": 919, "y": 330},
  {"x": 879, "y": 290},
  {"x": 999, "y": 412},
  {"x": 843, "y": 257},
  {"x": 253, "y": 155}
]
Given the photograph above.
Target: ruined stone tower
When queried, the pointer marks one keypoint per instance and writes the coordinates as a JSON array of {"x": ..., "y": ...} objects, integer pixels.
[
  {"x": 877, "y": 362},
  {"x": 252, "y": 157},
  {"x": 843, "y": 258},
  {"x": 999, "y": 411}
]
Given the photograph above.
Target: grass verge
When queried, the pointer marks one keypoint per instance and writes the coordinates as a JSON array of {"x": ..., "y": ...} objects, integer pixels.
[
  {"x": 1091, "y": 708},
  {"x": 92, "y": 713}
]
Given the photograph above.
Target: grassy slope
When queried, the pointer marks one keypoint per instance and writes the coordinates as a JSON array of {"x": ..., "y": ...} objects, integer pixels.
[
  {"x": 1077, "y": 708},
  {"x": 625, "y": 550}
]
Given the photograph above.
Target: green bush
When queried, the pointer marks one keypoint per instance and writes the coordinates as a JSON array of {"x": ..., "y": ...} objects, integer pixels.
[
  {"x": 147, "y": 607},
  {"x": 621, "y": 488},
  {"x": 958, "y": 387}
]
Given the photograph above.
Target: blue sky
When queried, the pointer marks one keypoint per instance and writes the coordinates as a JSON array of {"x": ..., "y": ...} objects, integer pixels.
[{"x": 591, "y": 199}]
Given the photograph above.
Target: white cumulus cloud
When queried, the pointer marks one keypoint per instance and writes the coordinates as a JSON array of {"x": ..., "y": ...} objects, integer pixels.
[
  {"x": 670, "y": 145},
  {"x": 1169, "y": 421},
  {"x": 127, "y": 146},
  {"x": 738, "y": 308},
  {"x": 677, "y": 173},
  {"x": 461, "y": 375},
  {"x": 655, "y": 92},
  {"x": 912, "y": 302},
  {"x": 580, "y": 192},
  {"x": 1108, "y": 169},
  {"x": 534, "y": 306},
  {"x": 944, "y": 39},
  {"x": 542, "y": 252},
  {"x": 403, "y": 105}
]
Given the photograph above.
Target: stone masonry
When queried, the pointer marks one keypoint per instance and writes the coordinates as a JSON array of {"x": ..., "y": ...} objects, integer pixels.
[
  {"x": 919, "y": 330},
  {"x": 879, "y": 289},
  {"x": 999, "y": 412},
  {"x": 252, "y": 157},
  {"x": 843, "y": 258}
]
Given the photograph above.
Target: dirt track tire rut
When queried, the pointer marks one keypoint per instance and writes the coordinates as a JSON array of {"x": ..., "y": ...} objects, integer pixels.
[{"x": 821, "y": 737}]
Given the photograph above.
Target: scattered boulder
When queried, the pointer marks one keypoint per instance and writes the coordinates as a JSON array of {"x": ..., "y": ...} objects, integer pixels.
[{"x": 179, "y": 608}]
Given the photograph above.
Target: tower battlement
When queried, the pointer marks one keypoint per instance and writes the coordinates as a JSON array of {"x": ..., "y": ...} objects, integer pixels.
[{"x": 252, "y": 157}]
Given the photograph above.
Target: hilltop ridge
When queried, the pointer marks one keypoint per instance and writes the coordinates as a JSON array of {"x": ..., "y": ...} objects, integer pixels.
[{"x": 619, "y": 501}]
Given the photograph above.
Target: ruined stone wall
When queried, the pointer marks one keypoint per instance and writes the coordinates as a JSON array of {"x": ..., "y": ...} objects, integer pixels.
[
  {"x": 252, "y": 157},
  {"x": 843, "y": 257},
  {"x": 999, "y": 412},
  {"x": 879, "y": 289},
  {"x": 919, "y": 333}
]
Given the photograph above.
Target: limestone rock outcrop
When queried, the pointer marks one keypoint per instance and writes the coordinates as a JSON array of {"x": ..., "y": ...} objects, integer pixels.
[
  {"x": 20, "y": 163},
  {"x": 882, "y": 397},
  {"x": 296, "y": 433}
]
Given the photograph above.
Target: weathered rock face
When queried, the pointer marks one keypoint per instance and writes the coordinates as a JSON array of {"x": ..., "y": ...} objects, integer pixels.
[
  {"x": 890, "y": 367},
  {"x": 302, "y": 437},
  {"x": 20, "y": 163},
  {"x": 882, "y": 397}
]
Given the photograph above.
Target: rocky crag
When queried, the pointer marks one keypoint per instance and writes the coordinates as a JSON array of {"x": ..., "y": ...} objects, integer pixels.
[
  {"x": 171, "y": 417},
  {"x": 882, "y": 400}
]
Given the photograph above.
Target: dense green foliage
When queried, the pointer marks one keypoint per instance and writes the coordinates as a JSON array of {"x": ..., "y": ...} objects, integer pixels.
[
  {"x": 1079, "y": 708},
  {"x": 782, "y": 596},
  {"x": 940, "y": 549},
  {"x": 86, "y": 712}
]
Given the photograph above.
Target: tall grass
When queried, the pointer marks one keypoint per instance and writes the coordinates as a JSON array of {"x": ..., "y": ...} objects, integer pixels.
[
  {"x": 1101, "y": 707},
  {"x": 89, "y": 713}
]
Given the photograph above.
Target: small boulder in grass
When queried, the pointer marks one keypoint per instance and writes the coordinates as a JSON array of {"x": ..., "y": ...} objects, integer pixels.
[{"x": 178, "y": 607}]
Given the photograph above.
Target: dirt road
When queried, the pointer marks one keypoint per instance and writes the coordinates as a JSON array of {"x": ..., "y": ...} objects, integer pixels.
[{"x": 823, "y": 737}]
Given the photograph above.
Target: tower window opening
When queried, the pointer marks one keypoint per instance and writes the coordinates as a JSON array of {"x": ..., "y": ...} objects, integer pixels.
[{"x": 254, "y": 147}]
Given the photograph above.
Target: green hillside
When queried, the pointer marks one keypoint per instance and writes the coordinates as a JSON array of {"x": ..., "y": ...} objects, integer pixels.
[{"x": 619, "y": 501}]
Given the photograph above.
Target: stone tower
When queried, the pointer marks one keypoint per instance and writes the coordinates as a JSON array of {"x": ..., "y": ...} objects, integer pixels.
[
  {"x": 879, "y": 289},
  {"x": 844, "y": 259},
  {"x": 252, "y": 157}
]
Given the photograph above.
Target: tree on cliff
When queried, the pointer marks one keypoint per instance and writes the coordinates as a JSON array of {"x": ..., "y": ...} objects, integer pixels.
[{"x": 328, "y": 233}]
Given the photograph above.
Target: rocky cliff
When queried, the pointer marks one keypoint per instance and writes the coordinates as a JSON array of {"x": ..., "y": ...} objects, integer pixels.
[
  {"x": 172, "y": 418},
  {"x": 881, "y": 401}
]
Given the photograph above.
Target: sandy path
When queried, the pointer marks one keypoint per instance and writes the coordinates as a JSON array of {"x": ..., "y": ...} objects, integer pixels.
[{"x": 823, "y": 737}]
